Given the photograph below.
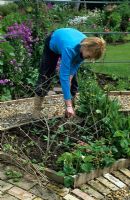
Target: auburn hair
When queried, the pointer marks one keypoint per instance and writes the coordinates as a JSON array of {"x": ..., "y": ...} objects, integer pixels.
[{"x": 96, "y": 45}]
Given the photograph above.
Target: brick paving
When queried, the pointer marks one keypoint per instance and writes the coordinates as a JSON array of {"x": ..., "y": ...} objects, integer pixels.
[{"x": 27, "y": 188}]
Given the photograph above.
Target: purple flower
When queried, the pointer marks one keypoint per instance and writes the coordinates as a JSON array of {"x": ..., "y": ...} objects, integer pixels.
[
  {"x": 4, "y": 81},
  {"x": 23, "y": 32}
]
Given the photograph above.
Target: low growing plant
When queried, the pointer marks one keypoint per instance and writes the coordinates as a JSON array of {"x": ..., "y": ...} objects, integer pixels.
[
  {"x": 86, "y": 157},
  {"x": 14, "y": 175}
]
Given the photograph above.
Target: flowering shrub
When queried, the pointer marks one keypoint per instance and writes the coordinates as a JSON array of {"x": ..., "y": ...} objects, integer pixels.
[
  {"x": 15, "y": 17},
  {"x": 23, "y": 32},
  {"x": 4, "y": 81},
  {"x": 91, "y": 21},
  {"x": 8, "y": 8},
  {"x": 78, "y": 20},
  {"x": 16, "y": 52},
  {"x": 116, "y": 18}
]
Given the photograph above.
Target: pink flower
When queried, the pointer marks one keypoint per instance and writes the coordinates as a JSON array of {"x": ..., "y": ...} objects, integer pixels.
[{"x": 49, "y": 6}]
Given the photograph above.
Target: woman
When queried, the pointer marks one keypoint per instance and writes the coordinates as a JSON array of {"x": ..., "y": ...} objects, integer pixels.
[{"x": 72, "y": 46}]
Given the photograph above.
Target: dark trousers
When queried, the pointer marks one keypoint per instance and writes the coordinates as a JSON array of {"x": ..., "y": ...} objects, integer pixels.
[{"x": 48, "y": 71}]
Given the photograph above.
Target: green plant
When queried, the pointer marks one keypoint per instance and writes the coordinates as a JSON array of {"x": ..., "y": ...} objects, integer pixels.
[
  {"x": 17, "y": 61},
  {"x": 8, "y": 148},
  {"x": 95, "y": 107},
  {"x": 12, "y": 18},
  {"x": 86, "y": 157},
  {"x": 123, "y": 84},
  {"x": 8, "y": 8},
  {"x": 14, "y": 175},
  {"x": 116, "y": 19},
  {"x": 121, "y": 139},
  {"x": 124, "y": 11}
]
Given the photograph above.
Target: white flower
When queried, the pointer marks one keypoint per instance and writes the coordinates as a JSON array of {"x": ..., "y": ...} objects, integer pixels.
[{"x": 78, "y": 20}]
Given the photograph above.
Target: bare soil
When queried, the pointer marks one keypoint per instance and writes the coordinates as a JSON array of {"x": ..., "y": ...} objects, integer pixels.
[{"x": 42, "y": 141}]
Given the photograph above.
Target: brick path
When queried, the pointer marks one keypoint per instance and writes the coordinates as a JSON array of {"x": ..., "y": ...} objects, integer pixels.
[{"x": 27, "y": 188}]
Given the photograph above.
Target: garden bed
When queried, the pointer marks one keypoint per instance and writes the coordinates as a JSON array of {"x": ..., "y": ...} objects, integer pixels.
[
  {"x": 35, "y": 143},
  {"x": 46, "y": 140}
]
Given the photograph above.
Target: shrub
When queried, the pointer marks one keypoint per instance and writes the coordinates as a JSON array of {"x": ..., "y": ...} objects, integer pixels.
[
  {"x": 16, "y": 61},
  {"x": 8, "y": 8}
]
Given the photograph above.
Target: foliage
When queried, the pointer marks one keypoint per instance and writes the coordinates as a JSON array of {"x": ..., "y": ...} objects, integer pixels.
[
  {"x": 8, "y": 8},
  {"x": 86, "y": 158},
  {"x": 90, "y": 21},
  {"x": 96, "y": 107},
  {"x": 12, "y": 18},
  {"x": 116, "y": 18},
  {"x": 121, "y": 139},
  {"x": 14, "y": 175},
  {"x": 16, "y": 63},
  {"x": 100, "y": 118},
  {"x": 7, "y": 53}
]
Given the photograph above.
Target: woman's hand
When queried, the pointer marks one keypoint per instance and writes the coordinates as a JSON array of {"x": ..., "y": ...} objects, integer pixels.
[{"x": 69, "y": 112}]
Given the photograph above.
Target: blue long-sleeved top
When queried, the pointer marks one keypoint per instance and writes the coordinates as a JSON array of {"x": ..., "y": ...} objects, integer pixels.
[{"x": 66, "y": 42}]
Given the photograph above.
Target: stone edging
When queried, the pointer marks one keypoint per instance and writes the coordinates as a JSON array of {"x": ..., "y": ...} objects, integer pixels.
[
  {"x": 119, "y": 93},
  {"x": 80, "y": 178}
]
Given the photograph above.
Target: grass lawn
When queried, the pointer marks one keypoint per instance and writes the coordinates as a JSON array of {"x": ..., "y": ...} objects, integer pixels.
[{"x": 121, "y": 53}]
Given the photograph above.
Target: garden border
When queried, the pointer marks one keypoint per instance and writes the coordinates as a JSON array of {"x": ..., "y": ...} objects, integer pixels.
[
  {"x": 78, "y": 179},
  {"x": 116, "y": 92}
]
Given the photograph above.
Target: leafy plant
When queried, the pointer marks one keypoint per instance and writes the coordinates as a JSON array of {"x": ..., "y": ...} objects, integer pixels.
[
  {"x": 122, "y": 140},
  {"x": 14, "y": 175},
  {"x": 95, "y": 106},
  {"x": 15, "y": 17},
  {"x": 8, "y": 8},
  {"x": 87, "y": 157}
]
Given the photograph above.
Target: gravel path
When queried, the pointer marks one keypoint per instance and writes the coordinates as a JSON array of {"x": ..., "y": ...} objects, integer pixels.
[
  {"x": 19, "y": 112},
  {"x": 124, "y": 101}
]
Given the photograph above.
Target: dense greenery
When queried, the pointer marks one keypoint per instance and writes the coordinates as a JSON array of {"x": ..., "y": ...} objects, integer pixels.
[
  {"x": 30, "y": 22},
  {"x": 104, "y": 124}
]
